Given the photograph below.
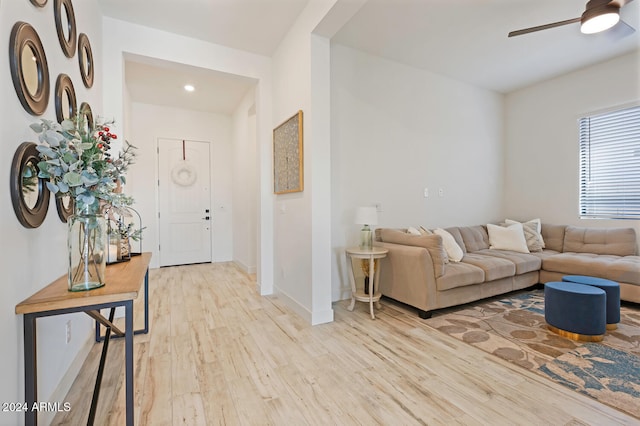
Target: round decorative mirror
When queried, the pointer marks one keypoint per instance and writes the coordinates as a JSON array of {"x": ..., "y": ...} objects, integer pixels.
[
  {"x": 65, "y": 98},
  {"x": 30, "y": 184},
  {"x": 66, "y": 26},
  {"x": 29, "y": 70},
  {"x": 39, "y": 3},
  {"x": 87, "y": 116},
  {"x": 29, "y": 194},
  {"x": 65, "y": 207},
  {"x": 85, "y": 59}
]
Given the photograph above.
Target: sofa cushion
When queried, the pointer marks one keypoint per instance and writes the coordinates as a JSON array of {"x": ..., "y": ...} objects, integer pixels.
[
  {"x": 524, "y": 262},
  {"x": 455, "y": 232},
  {"x": 616, "y": 241},
  {"x": 474, "y": 237},
  {"x": 459, "y": 274},
  {"x": 433, "y": 244},
  {"x": 425, "y": 231},
  {"x": 494, "y": 267},
  {"x": 553, "y": 236},
  {"x": 544, "y": 253},
  {"x": 617, "y": 268},
  {"x": 413, "y": 231},
  {"x": 451, "y": 246}
]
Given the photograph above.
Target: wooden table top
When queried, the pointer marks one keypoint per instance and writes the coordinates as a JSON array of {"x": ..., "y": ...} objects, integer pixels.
[{"x": 123, "y": 281}]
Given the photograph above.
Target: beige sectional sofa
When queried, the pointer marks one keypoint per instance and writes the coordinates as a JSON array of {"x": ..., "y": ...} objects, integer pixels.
[{"x": 416, "y": 271}]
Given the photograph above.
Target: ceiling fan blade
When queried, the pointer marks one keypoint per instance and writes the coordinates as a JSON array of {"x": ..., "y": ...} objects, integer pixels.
[{"x": 543, "y": 27}]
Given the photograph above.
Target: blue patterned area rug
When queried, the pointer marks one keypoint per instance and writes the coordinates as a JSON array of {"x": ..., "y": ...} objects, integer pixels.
[{"x": 513, "y": 328}]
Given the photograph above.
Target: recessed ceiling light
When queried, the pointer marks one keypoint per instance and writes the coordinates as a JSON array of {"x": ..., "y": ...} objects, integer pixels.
[{"x": 189, "y": 88}]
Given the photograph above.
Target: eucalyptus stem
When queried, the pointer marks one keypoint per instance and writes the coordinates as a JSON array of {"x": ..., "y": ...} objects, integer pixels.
[
  {"x": 82, "y": 235},
  {"x": 87, "y": 237},
  {"x": 92, "y": 255}
]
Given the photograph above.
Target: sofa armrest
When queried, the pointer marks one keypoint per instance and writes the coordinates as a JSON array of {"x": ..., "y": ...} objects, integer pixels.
[{"x": 407, "y": 275}]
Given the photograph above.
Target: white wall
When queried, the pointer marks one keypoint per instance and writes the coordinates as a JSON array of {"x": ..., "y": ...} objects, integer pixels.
[
  {"x": 122, "y": 38},
  {"x": 397, "y": 130},
  {"x": 150, "y": 122},
  {"x": 32, "y": 258},
  {"x": 542, "y": 168},
  {"x": 245, "y": 184},
  {"x": 301, "y": 225}
]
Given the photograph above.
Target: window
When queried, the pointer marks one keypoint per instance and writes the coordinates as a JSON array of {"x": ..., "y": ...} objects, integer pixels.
[{"x": 610, "y": 165}]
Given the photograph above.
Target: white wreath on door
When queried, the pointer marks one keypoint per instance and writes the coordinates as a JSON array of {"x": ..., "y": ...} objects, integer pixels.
[{"x": 184, "y": 174}]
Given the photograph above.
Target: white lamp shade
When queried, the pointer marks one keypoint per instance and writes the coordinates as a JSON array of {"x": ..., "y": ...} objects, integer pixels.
[{"x": 366, "y": 216}]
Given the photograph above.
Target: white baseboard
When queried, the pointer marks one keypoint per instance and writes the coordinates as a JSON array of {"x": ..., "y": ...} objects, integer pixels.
[
  {"x": 314, "y": 318},
  {"x": 322, "y": 317},
  {"x": 293, "y": 304},
  {"x": 245, "y": 268}
]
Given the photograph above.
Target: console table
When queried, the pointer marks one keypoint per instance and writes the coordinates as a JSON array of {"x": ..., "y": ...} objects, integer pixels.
[{"x": 123, "y": 282}]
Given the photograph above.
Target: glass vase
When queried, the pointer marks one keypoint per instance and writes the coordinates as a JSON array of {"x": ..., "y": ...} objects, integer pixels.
[{"x": 87, "y": 245}]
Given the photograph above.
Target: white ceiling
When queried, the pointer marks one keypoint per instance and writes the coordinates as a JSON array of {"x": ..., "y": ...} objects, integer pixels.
[
  {"x": 255, "y": 26},
  {"x": 464, "y": 39},
  {"x": 467, "y": 39},
  {"x": 157, "y": 82}
]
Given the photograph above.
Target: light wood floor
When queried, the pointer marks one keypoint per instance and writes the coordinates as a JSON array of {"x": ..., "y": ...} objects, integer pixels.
[{"x": 218, "y": 353}]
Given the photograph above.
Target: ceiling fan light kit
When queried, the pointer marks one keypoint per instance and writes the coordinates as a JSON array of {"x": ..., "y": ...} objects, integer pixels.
[
  {"x": 598, "y": 16},
  {"x": 599, "y": 19}
]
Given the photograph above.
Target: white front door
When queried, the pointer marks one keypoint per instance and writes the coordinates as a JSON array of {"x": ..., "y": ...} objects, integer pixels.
[{"x": 184, "y": 197}]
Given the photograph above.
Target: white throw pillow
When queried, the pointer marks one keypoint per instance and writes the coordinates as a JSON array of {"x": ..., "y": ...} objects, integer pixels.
[
  {"x": 537, "y": 223},
  {"x": 507, "y": 237},
  {"x": 454, "y": 252},
  {"x": 413, "y": 231},
  {"x": 425, "y": 231}
]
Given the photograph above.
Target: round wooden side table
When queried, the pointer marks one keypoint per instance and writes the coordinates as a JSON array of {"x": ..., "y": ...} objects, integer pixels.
[{"x": 374, "y": 273}]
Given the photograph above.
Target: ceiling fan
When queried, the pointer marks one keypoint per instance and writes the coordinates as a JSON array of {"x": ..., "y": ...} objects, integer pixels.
[{"x": 599, "y": 15}]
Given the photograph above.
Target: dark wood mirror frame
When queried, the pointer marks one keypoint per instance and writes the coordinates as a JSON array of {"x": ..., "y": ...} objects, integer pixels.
[
  {"x": 64, "y": 211},
  {"x": 64, "y": 87},
  {"x": 68, "y": 44},
  {"x": 39, "y": 3},
  {"x": 85, "y": 110},
  {"x": 24, "y": 36},
  {"x": 86, "y": 69},
  {"x": 29, "y": 217}
]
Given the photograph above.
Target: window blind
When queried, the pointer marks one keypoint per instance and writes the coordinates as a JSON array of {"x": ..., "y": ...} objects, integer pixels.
[{"x": 610, "y": 165}]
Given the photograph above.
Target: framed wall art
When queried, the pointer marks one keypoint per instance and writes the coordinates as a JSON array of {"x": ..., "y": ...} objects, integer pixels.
[{"x": 288, "y": 171}]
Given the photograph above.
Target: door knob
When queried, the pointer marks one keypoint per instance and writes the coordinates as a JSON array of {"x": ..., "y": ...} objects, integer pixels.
[{"x": 206, "y": 218}]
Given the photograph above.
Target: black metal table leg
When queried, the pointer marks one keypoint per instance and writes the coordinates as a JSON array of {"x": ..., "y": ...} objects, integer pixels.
[
  {"x": 103, "y": 359},
  {"x": 128, "y": 353},
  {"x": 30, "y": 369},
  {"x": 145, "y": 330}
]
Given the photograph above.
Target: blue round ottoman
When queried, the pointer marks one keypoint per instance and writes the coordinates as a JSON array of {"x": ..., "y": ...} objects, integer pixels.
[
  {"x": 611, "y": 288},
  {"x": 576, "y": 311}
]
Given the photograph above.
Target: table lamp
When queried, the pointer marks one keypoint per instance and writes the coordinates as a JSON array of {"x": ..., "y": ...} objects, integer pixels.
[{"x": 366, "y": 216}]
